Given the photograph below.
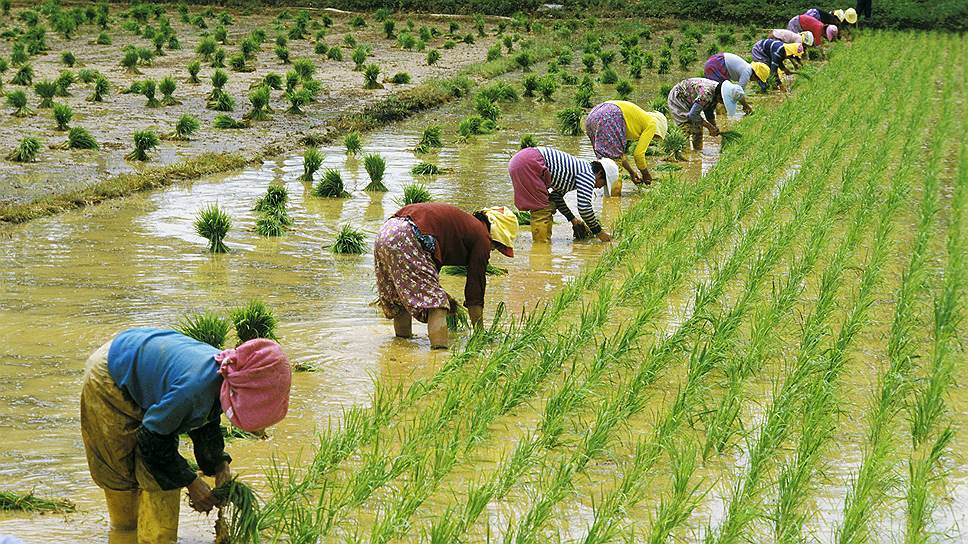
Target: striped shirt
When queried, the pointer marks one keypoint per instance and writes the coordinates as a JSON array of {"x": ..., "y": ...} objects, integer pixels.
[
  {"x": 771, "y": 53},
  {"x": 569, "y": 173}
]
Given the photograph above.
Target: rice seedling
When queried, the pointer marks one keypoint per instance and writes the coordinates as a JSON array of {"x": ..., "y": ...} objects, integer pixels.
[
  {"x": 569, "y": 121},
  {"x": 353, "y": 143},
  {"x": 486, "y": 108},
  {"x": 430, "y": 138},
  {"x": 87, "y": 75},
  {"x": 206, "y": 326},
  {"x": 530, "y": 84},
  {"x": 524, "y": 218},
  {"x": 63, "y": 115},
  {"x": 269, "y": 225},
  {"x": 425, "y": 169},
  {"x": 304, "y": 68},
  {"x": 547, "y": 86},
  {"x": 524, "y": 60},
  {"x": 259, "y": 99},
  {"x": 254, "y": 320},
  {"x": 400, "y": 78},
  {"x": 675, "y": 143},
  {"x": 349, "y": 241},
  {"x": 130, "y": 61},
  {"x": 312, "y": 160},
  {"x": 474, "y": 125},
  {"x": 624, "y": 89},
  {"x": 729, "y": 137},
  {"x": 335, "y": 54},
  {"x": 414, "y": 193},
  {"x": 24, "y": 76},
  {"x": 371, "y": 77},
  {"x": 186, "y": 125},
  {"x": 272, "y": 80},
  {"x": 458, "y": 320},
  {"x": 194, "y": 67},
  {"x": 80, "y": 138},
  {"x": 148, "y": 88},
  {"x": 297, "y": 99},
  {"x": 226, "y": 122},
  {"x": 28, "y": 502},
  {"x": 432, "y": 57},
  {"x": 103, "y": 38},
  {"x": 359, "y": 56},
  {"x": 375, "y": 166},
  {"x": 26, "y": 150},
  {"x": 276, "y": 197},
  {"x": 213, "y": 224},
  {"x": 206, "y": 48},
  {"x": 528, "y": 140},
  {"x": 489, "y": 270},
  {"x": 144, "y": 142},
  {"x": 46, "y": 90},
  {"x": 659, "y": 104},
  {"x": 242, "y": 507},
  {"x": 330, "y": 185}
]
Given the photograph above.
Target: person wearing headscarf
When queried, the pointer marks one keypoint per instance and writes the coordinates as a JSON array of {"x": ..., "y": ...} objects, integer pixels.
[
  {"x": 848, "y": 22},
  {"x": 611, "y": 125},
  {"x": 820, "y": 31},
  {"x": 730, "y": 67},
  {"x": 692, "y": 103},
  {"x": 825, "y": 17},
  {"x": 775, "y": 54},
  {"x": 416, "y": 242},
  {"x": 145, "y": 388},
  {"x": 789, "y": 36},
  {"x": 541, "y": 176}
]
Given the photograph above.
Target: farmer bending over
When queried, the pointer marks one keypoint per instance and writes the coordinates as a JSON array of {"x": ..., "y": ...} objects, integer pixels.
[
  {"x": 789, "y": 36},
  {"x": 416, "y": 242},
  {"x": 542, "y": 175},
  {"x": 610, "y": 125},
  {"x": 775, "y": 54},
  {"x": 730, "y": 67},
  {"x": 692, "y": 103},
  {"x": 819, "y": 30},
  {"x": 146, "y": 387}
]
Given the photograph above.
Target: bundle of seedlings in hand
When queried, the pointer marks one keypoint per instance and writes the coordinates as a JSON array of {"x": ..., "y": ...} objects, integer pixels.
[
  {"x": 528, "y": 140},
  {"x": 371, "y": 77},
  {"x": 46, "y": 90},
  {"x": 28, "y": 502},
  {"x": 254, "y": 320},
  {"x": 26, "y": 150},
  {"x": 425, "y": 169},
  {"x": 490, "y": 270},
  {"x": 167, "y": 87},
  {"x": 226, "y": 122},
  {"x": 100, "y": 89},
  {"x": 242, "y": 507},
  {"x": 458, "y": 320},
  {"x": 414, "y": 193},
  {"x": 353, "y": 142},
  {"x": 312, "y": 160},
  {"x": 144, "y": 141},
  {"x": 213, "y": 224},
  {"x": 524, "y": 218},
  {"x": 79, "y": 138},
  {"x": 675, "y": 143},
  {"x": 349, "y": 241},
  {"x": 206, "y": 326},
  {"x": 18, "y": 101},
  {"x": 569, "y": 121},
  {"x": 430, "y": 139},
  {"x": 63, "y": 114},
  {"x": 186, "y": 126},
  {"x": 330, "y": 185},
  {"x": 375, "y": 167}
]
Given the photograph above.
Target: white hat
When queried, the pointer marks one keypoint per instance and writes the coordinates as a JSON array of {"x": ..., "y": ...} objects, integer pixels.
[
  {"x": 611, "y": 174},
  {"x": 732, "y": 93},
  {"x": 806, "y": 38}
]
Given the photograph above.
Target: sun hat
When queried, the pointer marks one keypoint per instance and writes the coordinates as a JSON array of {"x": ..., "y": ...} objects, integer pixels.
[
  {"x": 806, "y": 38},
  {"x": 839, "y": 14},
  {"x": 851, "y": 16},
  {"x": 732, "y": 93},
  {"x": 504, "y": 227},
  {"x": 661, "y": 123},
  {"x": 611, "y": 174},
  {"x": 256, "y": 377},
  {"x": 832, "y": 32},
  {"x": 793, "y": 49},
  {"x": 761, "y": 70}
]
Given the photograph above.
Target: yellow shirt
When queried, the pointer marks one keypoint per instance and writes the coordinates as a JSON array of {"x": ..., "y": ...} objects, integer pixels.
[{"x": 639, "y": 126}]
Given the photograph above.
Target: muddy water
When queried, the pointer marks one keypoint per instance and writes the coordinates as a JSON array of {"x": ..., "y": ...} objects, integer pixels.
[{"x": 69, "y": 282}]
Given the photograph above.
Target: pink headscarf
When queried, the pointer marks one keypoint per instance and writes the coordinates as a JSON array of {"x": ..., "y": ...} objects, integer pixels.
[
  {"x": 255, "y": 386},
  {"x": 832, "y": 32}
]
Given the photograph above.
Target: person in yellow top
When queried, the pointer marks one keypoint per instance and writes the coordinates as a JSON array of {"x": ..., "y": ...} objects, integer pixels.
[{"x": 610, "y": 126}]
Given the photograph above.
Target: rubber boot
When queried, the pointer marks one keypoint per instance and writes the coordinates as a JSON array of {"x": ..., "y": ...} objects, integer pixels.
[
  {"x": 123, "y": 512},
  {"x": 158, "y": 517},
  {"x": 541, "y": 222}
]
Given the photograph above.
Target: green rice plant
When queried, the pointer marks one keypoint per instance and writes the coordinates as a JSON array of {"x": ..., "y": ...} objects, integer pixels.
[
  {"x": 547, "y": 86},
  {"x": 400, "y": 78},
  {"x": 335, "y": 54},
  {"x": 474, "y": 125},
  {"x": 28, "y": 502},
  {"x": 430, "y": 138},
  {"x": 254, "y": 320},
  {"x": 213, "y": 224},
  {"x": 269, "y": 225},
  {"x": 353, "y": 143},
  {"x": 389, "y": 27},
  {"x": 729, "y": 137},
  {"x": 103, "y": 38},
  {"x": 528, "y": 140},
  {"x": 206, "y": 326},
  {"x": 486, "y": 108},
  {"x": 222, "y": 101},
  {"x": 530, "y": 84},
  {"x": 276, "y": 198},
  {"x": 608, "y": 77},
  {"x": 194, "y": 67},
  {"x": 312, "y": 160},
  {"x": 206, "y": 48},
  {"x": 26, "y": 150},
  {"x": 499, "y": 91},
  {"x": 414, "y": 193},
  {"x": 144, "y": 142},
  {"x": 259, "y": 98},
  {"x": 226, "y": 122},
  {"x": 330, "y": 185},
  {"x": 304, "y": 68},
  {"x": 349, "y": 241},
  {"x": 297, "y": 99},
  {"x": 87, "y": 75},
  {"x": 167, "y": 87},
  {"x": 46, "y": 90},
  {"x": 359, "y": 56},
  {"x": 218, "y": 58},
  {"x": 357, "y": 22},
  {"x": 489, "y": 270},
  {"x": 458, "y": 320},
  {"x": 589, "y": 60},
  {"x": 675, "y": 143},
  {"x": 79, "y": 138},
  {"x": 63, "y": 115},
  {"x": 148, "y": 88},
  {"x": 186, "y": 125},
  {"x": 663, "y": 67},
  {"x": 569, "y": 121},
  {"x": 371, "y": 77},
  {"x": 660, "y": 104},
  {"x": 406, "y": 41},
  {"x": 23, "y": 76},
  {"x": 375, "y": 166},
  {"x": 524, "y": 60},
  {"x": 432, "y": 57},
  {"x": 282, "y": 53},
  {"x": 524, "y": 218},
  {"x": 425, "y": 169},
  {"x": 130, "y": 61},
  {"x": 242, "y": 506},
  {"x": 624, "y": 89},
  {"x": 272, "y": 80},
  {"x": 68, "y": 59}
]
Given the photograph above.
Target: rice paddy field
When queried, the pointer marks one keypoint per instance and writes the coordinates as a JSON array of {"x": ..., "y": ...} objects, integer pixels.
[{"x": 770, "y": 350}]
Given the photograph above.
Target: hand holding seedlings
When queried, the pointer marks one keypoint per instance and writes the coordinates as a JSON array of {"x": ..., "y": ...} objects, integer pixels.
[{"x": 200, "y": 496}]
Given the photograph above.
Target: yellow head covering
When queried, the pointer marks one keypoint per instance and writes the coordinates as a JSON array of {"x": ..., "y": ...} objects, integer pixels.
[
  {"x": 504, "y": 227},
  {"x": 839, "y": 14},
  {"x": 661, "y": 124},
  {"x": 851, "y": 16},
  {"x": 761, "y": 70},
  {"x": 793, "y": 49}
]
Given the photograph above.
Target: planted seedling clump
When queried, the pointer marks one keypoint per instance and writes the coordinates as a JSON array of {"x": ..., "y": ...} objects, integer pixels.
[
  {"x": 569, "y": 121},
  {"x": 207, "y": 327},
  {"x": 254, "y": 320},
  {"x": 26, "y": 150},
  {"x": 213, "y": 224},
  {"x": 353, "y": 142},
  {"x": 330, "y": 185},
  {"x": 349, "y": 241},
  {"x": 80, "y": 138},
  {"x": 415, "y": 193},
  {"x": 425, "y": 169},
  {"x": 18, "y": 101},
  {"x": 375, "y": 167},
  {"x": 312, "y": 160},
  {"x": 63, "y": 114},
  {"x": 430, "y": 139},
  {"x": 675, "y": 143},
  {"x": 144, "y": 141},
  {"x": 186, "y": 126}
]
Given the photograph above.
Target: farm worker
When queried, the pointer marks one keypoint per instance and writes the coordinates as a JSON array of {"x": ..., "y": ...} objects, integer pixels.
[
  {"x": 775, "y": 54},
  {"x": 146, "y": 387},
  {"x": 542, "y": 175},
  {"x": 692, "y": 103},
  {"x": 789, "y": 36},
  {"x": 416, "y": 242},
  {"x": 863, "y": 8},
  {"x": 847, "y": 21},
  {"x": 806, "y": 23},
  {"x": 825, "y": 17},
  {"x": 610, "y": 125},
  {"x": 727, "y": 66}
]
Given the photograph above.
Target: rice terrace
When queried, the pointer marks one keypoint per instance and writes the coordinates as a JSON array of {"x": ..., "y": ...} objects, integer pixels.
[{"x": 485, "y": 271}]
